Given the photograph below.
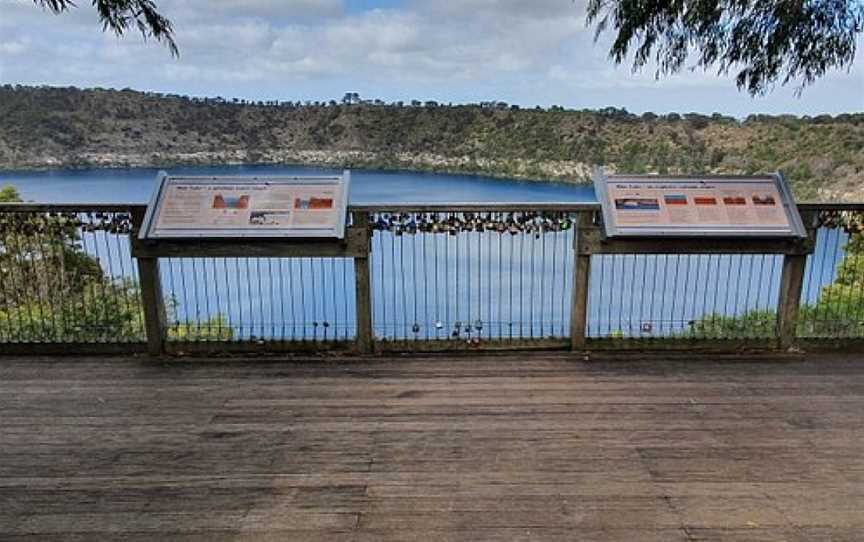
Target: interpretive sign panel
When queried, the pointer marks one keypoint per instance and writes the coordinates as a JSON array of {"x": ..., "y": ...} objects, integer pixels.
[
  {"x": 196, "y": 207},
  {"x": 657, "y": 206}
]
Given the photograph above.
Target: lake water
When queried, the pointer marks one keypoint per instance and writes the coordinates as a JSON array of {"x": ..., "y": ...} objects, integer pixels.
[
  {"x": 472, "y": 285},
  {"x": 135, "y": 185}
]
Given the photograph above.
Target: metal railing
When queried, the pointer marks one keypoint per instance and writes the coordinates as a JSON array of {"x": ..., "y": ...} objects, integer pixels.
[
  {"x": 425, "y": 277},
  {"x": 67, "y": 276},
  {"x": 259, "y": 299},
  {"x": 832, "y": 297},
  {"x": 468, "y": 276}
]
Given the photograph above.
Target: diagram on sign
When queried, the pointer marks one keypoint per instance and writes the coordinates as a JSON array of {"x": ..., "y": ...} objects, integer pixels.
[
  {"x": 296, "y": 207},
  {"x": 657, "y": 205}
]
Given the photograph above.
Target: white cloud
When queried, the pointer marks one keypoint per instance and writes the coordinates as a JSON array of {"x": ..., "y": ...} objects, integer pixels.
[{"x": 513, "y": 50}]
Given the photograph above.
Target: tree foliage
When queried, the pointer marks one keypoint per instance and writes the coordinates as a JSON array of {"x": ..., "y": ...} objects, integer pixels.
[
  {"x": 53, "y": 290},
  {"x": 122, "y": 15},
  {"x": 762, "y": 41},
  {"x": 8, "y": 194}
]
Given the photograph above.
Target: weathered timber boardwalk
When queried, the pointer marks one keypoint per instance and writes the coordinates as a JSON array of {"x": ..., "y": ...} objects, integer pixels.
[{"x": 515, "y": 447}]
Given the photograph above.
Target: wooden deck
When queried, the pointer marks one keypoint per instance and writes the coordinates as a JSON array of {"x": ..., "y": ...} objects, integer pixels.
[{"x": 518, "y": 447}]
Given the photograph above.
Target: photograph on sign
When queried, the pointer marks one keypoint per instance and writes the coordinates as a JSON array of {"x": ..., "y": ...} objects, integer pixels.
[
  {"x": 248, "y": 207},
  {"x": 718, "y": 206}
]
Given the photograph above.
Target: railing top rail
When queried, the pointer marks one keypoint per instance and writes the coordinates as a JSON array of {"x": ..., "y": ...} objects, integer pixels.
[
  {"x": 70, "y": 207},
  {"x": 831, "y": 206},
  {"x": 473, "y": 207},
  {"x": 388, "y": 207}
]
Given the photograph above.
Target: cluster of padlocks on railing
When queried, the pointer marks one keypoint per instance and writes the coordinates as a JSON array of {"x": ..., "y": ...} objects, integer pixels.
[
  {"x": 514, "y": 223},
  {"x": 850, "y": 221},
  {"x": 60, "y": 223},
  {"x": 467, "y": 330}
]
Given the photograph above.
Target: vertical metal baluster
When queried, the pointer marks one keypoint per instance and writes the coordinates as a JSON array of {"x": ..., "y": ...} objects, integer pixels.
[
  {"x": 229, "y": 320},
  {"x": 500, "y": 283},
  {"x": 530, "y": 237},
  {"x": 313, "y": 295},
  {"x": 6, "y": 289},
  {"x": 623, "y": 259},
  {"x": 641, "y": 322},
  {"x": 332, "y": 316},
  {"x": 715, "y": 307},
  {"x": 185, "y": 296},
  {"x": 556, "y": 234},
  {"x": 138, "y": 330},
  {"x": 542, "y": 278},
  {"x": 292, "y": 288},
  {"x": 435, "y": 238},
  {"x": 385, "y": 285},
  {"x": 480, "y": 262},
  {"x": 456, "y": 278},
  {"x": 271, "y": 282},
  {"x": 118, "y": 300},
  {"x": 846, "y": 304},
  {"x": 424, "y": 239},
  {"x": 46, "y": 254},
  {"x": 761, "y": 292},
  {"x": 836, "y": 295},
  {"x": 394, "y": 283},
  {"x": 565, "y": 241},
  {"x": 244, "y": 298},
  {"x": 674, "y": 294},
  {"x": 702, "y": 310},
  {"x": 20, "y": 285},
  {"x": 405, "y": 286},
  {"x": 208, "y": 313},
  {"x": 8, "y": 286},
  {"x": 282, "y": 324},
  {"x": 652, "y": 316},
  {"x": 17, "y": 277},
  {"x": 856, "y": 321},
  {"x": 346, "y": 264},
  {"x": 95, "y": 294},
  {"x": 632, "y": 281},
  {"x": 823, "y": 321},
  {"x": 521, "y": 313},
  {"x": 304, "y": 318},
  {"x": 447, "y": 268},
  {"x": 194, "y": 294},
  {"x": 415, "y": 281},
  {"x": 511, "y": 273}
]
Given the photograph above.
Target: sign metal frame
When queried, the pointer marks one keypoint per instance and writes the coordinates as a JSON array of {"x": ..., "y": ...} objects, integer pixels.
[
  {"x": 612, "y": 229},
  {"x": 149, "y": 231}
]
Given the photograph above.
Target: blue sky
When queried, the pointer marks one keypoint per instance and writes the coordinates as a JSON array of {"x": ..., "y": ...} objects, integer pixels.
[{"x": 535, "y": 52}]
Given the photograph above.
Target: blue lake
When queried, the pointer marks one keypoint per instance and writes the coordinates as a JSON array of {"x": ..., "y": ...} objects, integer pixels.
[
  {"x": 469, "y": 286},
  {"x": 135, "y": 185}
]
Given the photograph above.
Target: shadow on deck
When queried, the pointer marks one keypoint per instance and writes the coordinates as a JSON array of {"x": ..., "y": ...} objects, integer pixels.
[{"x": 506, "y": 447}]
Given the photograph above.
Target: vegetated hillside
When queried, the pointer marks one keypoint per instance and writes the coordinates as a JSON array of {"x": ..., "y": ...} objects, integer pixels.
[{"x": 51, "y": 127}]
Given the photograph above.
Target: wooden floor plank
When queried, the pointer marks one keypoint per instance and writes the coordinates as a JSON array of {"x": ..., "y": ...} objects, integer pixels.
[{"x": 540, "y": 446}]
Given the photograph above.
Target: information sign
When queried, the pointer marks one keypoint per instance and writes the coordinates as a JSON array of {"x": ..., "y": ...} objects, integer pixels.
[
  {"x": 196, "y": 207},
  {"x": 662, "y": 206}
]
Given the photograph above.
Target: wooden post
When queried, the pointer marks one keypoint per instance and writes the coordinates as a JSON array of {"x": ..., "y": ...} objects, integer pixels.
[
  {"x": 363, "y": 289},
  {"x": 791, "y": 285},
  {"x": 154, "y": 305},
  {"x": 151, "y": 292},
  {"x": 581, "y": 277}
]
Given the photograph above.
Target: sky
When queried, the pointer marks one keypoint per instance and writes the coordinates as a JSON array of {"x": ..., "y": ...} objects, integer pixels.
[{"x": 526, "y": 52}]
